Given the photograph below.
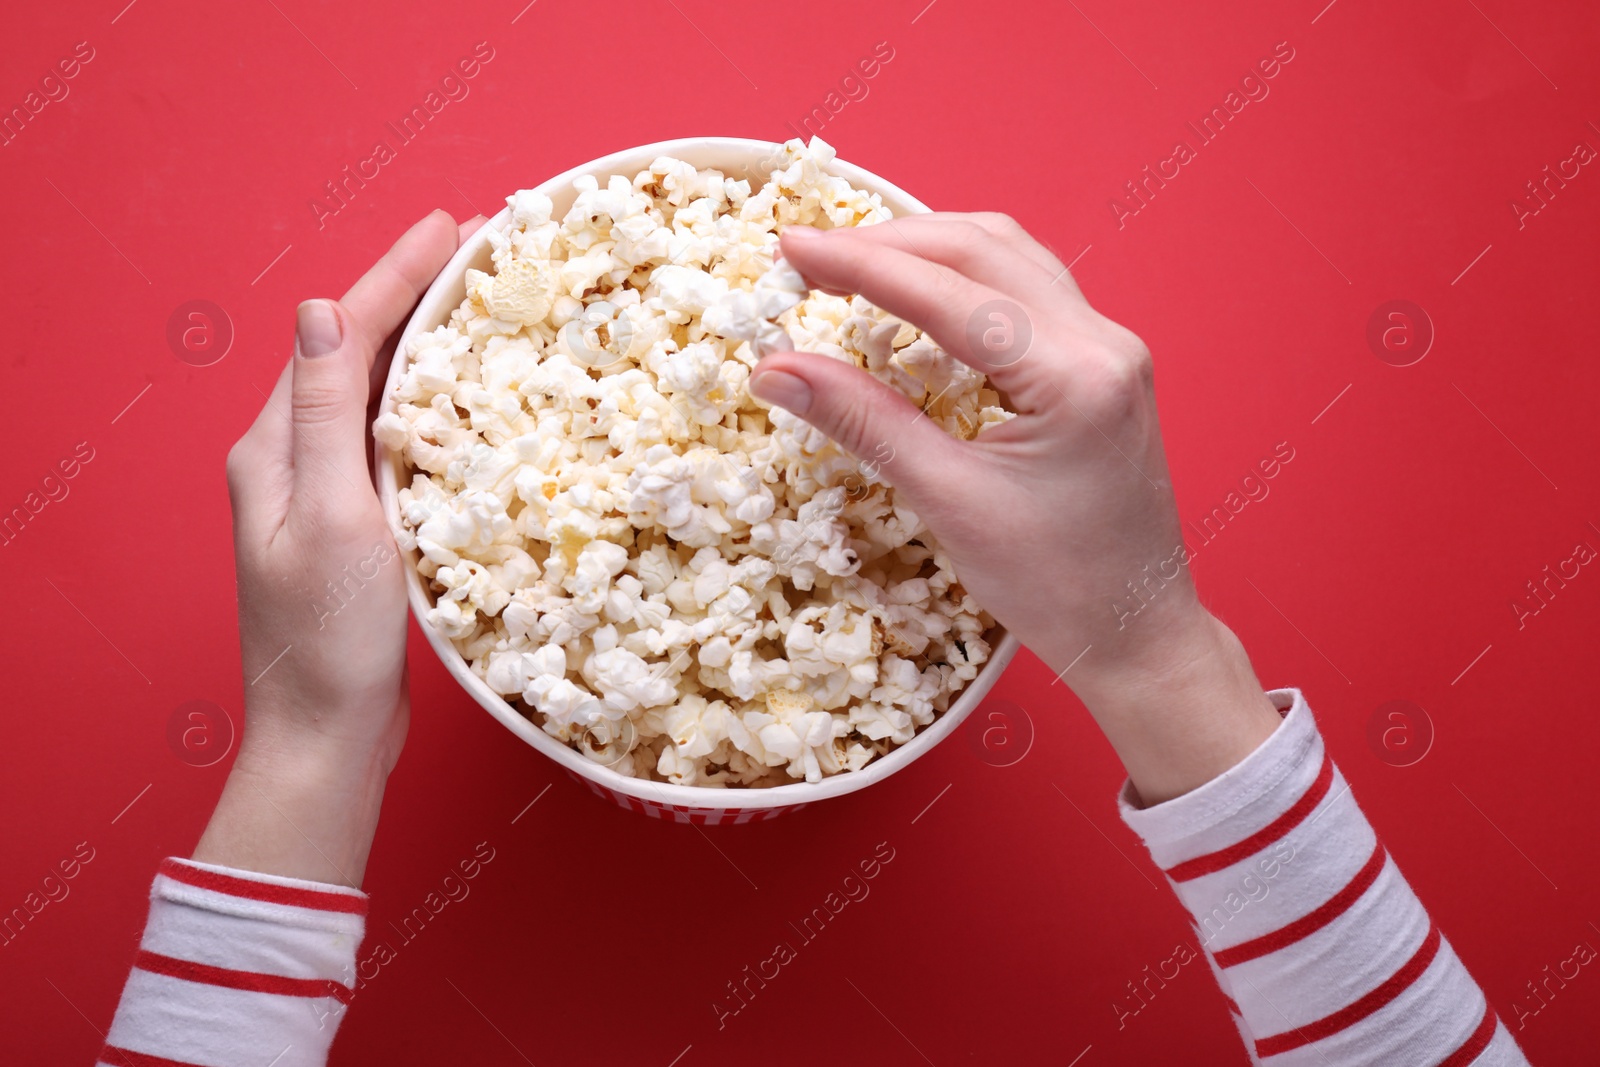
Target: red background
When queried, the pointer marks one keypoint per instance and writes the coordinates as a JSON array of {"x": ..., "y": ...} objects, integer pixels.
[{"x": 1391, "y": 547}]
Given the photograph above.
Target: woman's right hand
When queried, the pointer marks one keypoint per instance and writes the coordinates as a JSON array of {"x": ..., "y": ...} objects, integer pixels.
[
  {"x": 322, "y": 613},
  {"x": 1054, "y": 519}
]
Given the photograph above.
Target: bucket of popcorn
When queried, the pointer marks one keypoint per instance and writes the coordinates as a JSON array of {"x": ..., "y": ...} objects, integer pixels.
[{"x": 698, "y": 605}]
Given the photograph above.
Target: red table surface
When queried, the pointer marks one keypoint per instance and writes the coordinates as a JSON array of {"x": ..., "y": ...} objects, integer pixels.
[{"x": 1384, "y": 564}]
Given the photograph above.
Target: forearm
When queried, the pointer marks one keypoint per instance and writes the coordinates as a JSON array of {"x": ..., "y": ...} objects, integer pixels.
[{"x": 1326, "y": 954}]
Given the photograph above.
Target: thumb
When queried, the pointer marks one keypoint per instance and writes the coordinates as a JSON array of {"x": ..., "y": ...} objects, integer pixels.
[
  {"x": 329, "y": 401},
  {"x": 867, "y": 418}
]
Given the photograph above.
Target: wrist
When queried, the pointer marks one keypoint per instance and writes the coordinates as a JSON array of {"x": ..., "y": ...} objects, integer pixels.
[
  {"x": 300, "y": 804},
  {"x": 1182, "y": 707},
  {"x": 313, "y": 763},
  {"x": 1159, "y": 652},
  {"x": 328, "y": 744},
  {"x": 339, "y": 731}
]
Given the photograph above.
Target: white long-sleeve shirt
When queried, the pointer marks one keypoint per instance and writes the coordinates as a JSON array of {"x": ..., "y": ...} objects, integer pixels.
[
  {"x": 1327, "y": 957},
  {"x": 237, "y": 968}
]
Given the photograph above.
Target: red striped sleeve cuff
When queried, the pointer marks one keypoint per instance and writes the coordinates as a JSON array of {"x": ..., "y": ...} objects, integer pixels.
[
  {"x": 269, "y": 889},
  {"x": 237, "y": 967},
  {"x": 1275, "y": 831}
]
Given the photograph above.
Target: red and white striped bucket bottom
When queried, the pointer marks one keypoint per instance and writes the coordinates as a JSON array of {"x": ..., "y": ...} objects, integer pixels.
[{"x": 680, "y": 813}]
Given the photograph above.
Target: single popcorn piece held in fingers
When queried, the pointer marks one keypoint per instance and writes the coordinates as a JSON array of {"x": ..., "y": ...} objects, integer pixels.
[
  {"x": 753, "y": 316},
  {"x": 663, "y": 573}
]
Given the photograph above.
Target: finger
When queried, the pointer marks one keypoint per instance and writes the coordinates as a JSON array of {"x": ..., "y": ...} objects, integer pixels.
[
  {"x": 985, "y": 246},
  {"x": 468, "y": 228},
  {"x": 385, "y": 295},
  {"x": 261, "y": 466},
  {"x": 328, "y": 405},
  {"x": 979, "y": 325},
  {"x": 867, "y": 418},
  {"x": 1012, "y": 233}
]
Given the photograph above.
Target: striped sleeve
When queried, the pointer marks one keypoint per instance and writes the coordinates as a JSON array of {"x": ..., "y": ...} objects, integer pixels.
[
  {"x": 1326, "y": 956},
  {"x": 237, "y": 967}
]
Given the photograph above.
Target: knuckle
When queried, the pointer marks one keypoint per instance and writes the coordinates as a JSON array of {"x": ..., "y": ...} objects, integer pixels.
[
  {"x": 1138, "y": 366},
  {"x": 998, "y": 223},
  {"x": 1119, "y": 380},
  {"x": 1121, "y": 343},
  {"x": 952, "y": 290},
  {"x": 342, "y": 525},
  {"x": 1120, "y": 389},
  {"x": 969, "y": 241},
  {"x": 973, "y": 233},
  {"x": 315, "y": 405},
  {"x": 852, "y": 424},
  {"x": 327, "y": 523}
]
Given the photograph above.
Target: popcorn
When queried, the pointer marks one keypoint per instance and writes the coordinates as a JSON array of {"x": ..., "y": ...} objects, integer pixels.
[
  {"x": 753, "y": 316},
  {"x": 684, "y": 293},
  {"x": 658, "y": 570},
  {"x": 521, "y": 292}
]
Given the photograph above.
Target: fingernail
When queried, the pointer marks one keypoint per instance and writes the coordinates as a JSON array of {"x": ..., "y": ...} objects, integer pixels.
[
  {"x": 783, "y": 389},
  {"x": 801, "y": 233},
  {"x": 316, "y": 329}
]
